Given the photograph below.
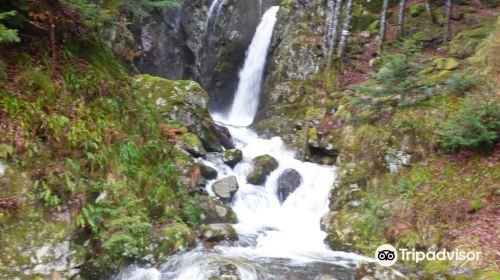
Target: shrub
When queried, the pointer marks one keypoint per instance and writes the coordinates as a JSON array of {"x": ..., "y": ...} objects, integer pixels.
[{"x": 475, "y": 127}]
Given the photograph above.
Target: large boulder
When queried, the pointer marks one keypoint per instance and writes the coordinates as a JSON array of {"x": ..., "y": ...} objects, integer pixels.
[
  {"x": 226, "y": 188},
  {"x": 288, "y": 182},
  {"x": 181, "y": 101},
  {"x": 232, "y": 157},
  {"x": 262, "y": 167},
  {"x": 213, "y": 211},
  {"x": 218, "y": 233}
]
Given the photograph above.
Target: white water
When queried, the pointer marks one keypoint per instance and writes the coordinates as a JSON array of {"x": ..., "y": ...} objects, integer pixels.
[
  {"x": 246, "y": 99},
  {"x": 276, "y": 240},
  {"x": 214, "y": 7}
]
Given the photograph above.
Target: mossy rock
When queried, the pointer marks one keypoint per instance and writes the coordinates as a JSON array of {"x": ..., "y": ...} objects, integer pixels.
[
  {"x": 33, "y": 245},
  {"x": 176, "y": 237},
  {"x": 262, "y": 167},
  {"x": 232, "y": 157},
  {"x": 214, "y": 211},
  {"x": 192, "y": 144},
  {"x": 182, "y": 101},
  {"x": 218, "y": 233}
]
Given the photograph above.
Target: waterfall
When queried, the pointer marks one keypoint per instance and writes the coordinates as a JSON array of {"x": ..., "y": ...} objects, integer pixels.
[
  {"x": 214, "y": 7},
  {"x": 277, "y": 239},
  {"x": 247, "y": 97}
]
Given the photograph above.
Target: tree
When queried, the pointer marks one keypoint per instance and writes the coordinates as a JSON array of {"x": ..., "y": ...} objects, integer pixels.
[
  {"x": 401, "y": 18},
  {"x": 6, "y": 34},
  {"x": 428, "y": 10},
  {"x": 330, "y": 10},
  {"x": 333, "y": 29},
  {"x": 383, "y": 21},
  {"x": 448, "y": 20},
  {"x": 346, "y": 28}
]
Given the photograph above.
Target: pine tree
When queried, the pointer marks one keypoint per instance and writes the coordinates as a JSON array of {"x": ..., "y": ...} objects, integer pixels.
[{"x": 428, "y": 10}]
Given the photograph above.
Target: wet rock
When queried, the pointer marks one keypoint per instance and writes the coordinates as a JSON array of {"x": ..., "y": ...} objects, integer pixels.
[
  {"x": 262, "y": 167},
  {"x": 232, "y": 157},
  {"x": 226, "y": 188},
  {"x": 218, "y": 232},
  {"x": 288, "y": 182},
  {"x": 224, "y": 271},
  {"x": 208, "y": 172},
  {"x": 191, "y": 144},
  {"x": 372, "y": 271},
  {"x": 223, "y": 135},
  {"x": 176, "y": 237},
  {"x": 214, "y": 211}
]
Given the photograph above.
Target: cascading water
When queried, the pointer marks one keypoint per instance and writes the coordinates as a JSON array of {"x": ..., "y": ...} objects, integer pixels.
[
  {"x": 276, "y": 240},
  {"x": 247, "y": 97}
]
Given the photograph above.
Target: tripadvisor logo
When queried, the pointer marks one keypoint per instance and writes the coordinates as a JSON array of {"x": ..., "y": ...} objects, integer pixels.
[{"x": 387, "y": 255}]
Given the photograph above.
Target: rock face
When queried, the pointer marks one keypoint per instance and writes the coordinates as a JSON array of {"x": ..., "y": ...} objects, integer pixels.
[
  {"x": 262, "y": 167},
  {"x": 185, "y": 102},
  {"x": 218, "y": 233},
  {"x": 226, "y": 188},
  {"x": 214, "y": 211},
  {"x": 175, "y": 45},
  {"x": 288, "y": 182},
  {"x": 232, "y": 157}
]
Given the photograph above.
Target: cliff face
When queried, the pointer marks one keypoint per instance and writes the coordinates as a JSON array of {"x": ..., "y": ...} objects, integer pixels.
[{"x": 175, "y": 45}]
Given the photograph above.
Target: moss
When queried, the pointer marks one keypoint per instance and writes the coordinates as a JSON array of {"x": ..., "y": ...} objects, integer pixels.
[
  {"x": 416, "y": 10},
  {"x": 446, "y": 63},
  {"x": 176, "y": 237}
]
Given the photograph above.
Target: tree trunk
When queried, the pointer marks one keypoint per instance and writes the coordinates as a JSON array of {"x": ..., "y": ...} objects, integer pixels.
[
  {"x": 328, "y": 24},
  {"x": 383, "y": 19},
  {"x": 428, "y": 10},
  {"x": 346, "y": 28},
  {"x": 448, "y": 21},
  {"x": 334, "y": 28},
  {"x": 401, "y": 18}
]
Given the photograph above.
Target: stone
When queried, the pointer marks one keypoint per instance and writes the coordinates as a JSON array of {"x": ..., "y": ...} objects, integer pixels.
[
  {"x": 191, "y": 144},
  {"x": 218, "y": 233},
  {"x": 373, "y": 271},
  {"x": 224, "y": 271},
  {"x": 214, "y": 211},
  {"x": 226, "y": 188},
  {"x": 176, "y": 237},
  {"x": 288, "y": 182},
  {"x": 185, "y": 102},
  {"x": 207, "y": 172},
  {"x": 232, "y": 157},
  {"x": 262, "y": 167}
]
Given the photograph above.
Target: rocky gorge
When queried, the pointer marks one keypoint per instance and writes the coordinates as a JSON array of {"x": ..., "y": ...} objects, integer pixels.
[{"x": 130, "y": 168}]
